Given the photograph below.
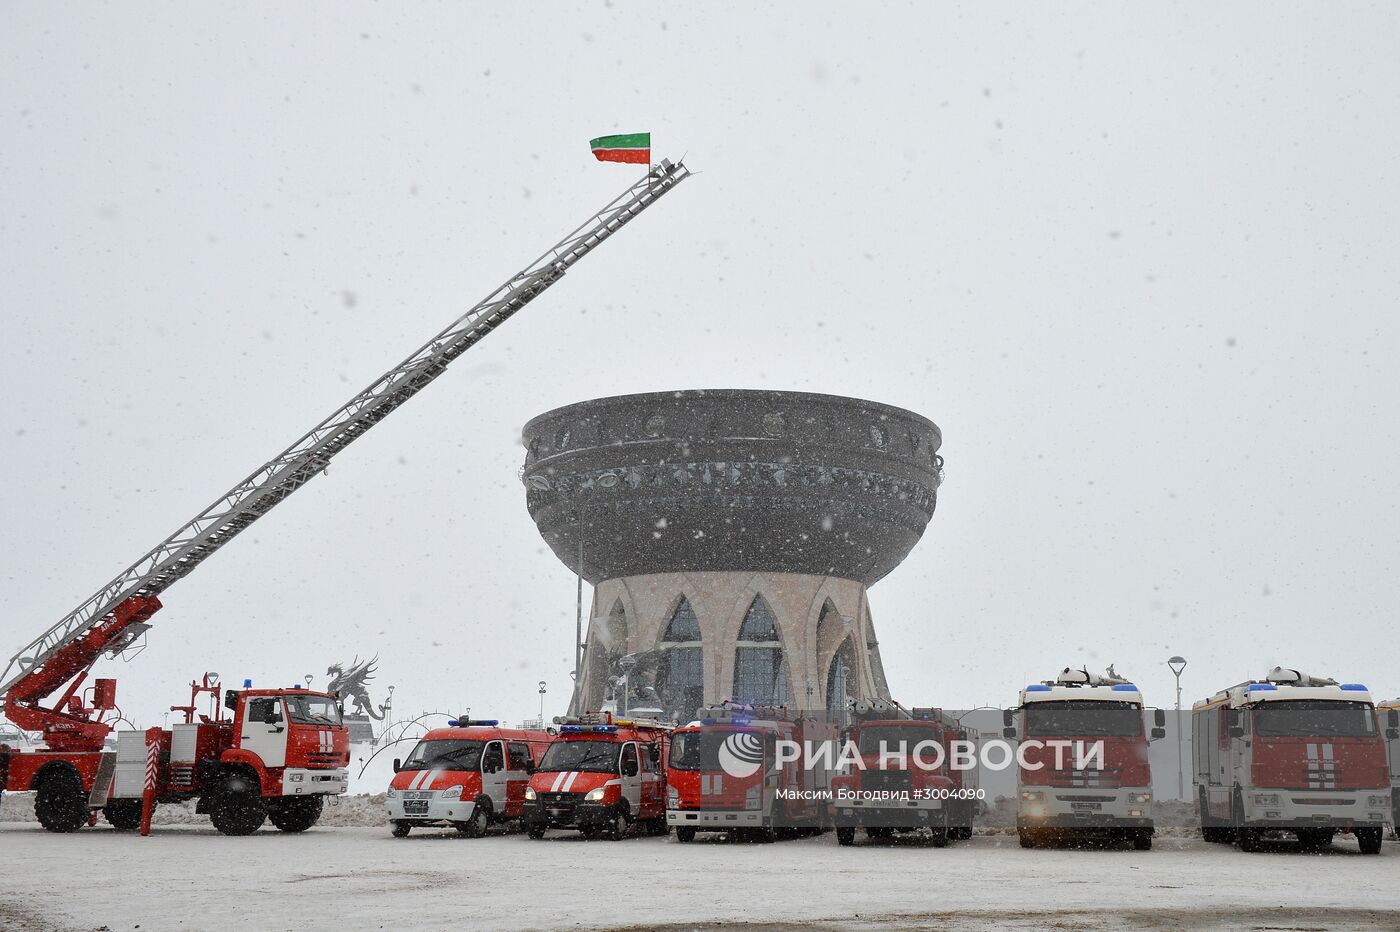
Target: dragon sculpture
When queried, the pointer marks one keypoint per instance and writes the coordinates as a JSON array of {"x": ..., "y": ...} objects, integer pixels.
[{"x": 352, "y": 682}]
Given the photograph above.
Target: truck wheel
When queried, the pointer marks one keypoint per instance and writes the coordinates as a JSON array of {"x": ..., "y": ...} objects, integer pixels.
[
  {"x": 124, "y": 815},
  {"x": 845, "y": 836},
  {"x": 475, "y": 827},
  {"x": 237, "y": 808},
  {"x": 1142, "y": 841},
  {"x": 1028, "y": 838},
  {"x": 620, "y": 825},
  {"x": 685, "y": 834},
  {"x": 1369, "y": 839},
  {"x": 295, "y": 813},
  {"x": 1248, "y": 838},
  {"x": 535, "y": 830},
  {"x": 879, "y": 832},
  {"x": 939, "y": 838},
  {"x": 60, "y": 805},
  {"x": 399, "y": 828}
]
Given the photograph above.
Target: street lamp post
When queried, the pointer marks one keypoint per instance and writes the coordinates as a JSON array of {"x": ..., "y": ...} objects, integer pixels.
[
  {"x": 541, "y": 703},
  {"x": 1177, "y": 664}
]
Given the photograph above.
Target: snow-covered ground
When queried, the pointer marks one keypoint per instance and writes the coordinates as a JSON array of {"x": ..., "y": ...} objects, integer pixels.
[{"x": 347, "y": 876}]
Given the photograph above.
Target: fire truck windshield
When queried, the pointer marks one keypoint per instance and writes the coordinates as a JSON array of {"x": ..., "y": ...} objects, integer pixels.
[
  {"x": 698, "y": 750},
  {"x": 1312, "y": 718},
  {"x": 313, "y": 710},
  {"x": 907, "y": 735},
  {"x": 592, "y": 756},
  {"x": 445, "y": 753},
  {"x": 1091, "y": 717}
]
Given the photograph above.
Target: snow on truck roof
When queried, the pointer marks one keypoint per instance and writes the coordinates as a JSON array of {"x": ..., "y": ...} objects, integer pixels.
[{"x": 1254, "y": 692}]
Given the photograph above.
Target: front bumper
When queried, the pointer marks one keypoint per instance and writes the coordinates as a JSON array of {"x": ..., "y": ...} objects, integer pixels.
[
  {"x": 1086, "y": 809},
  {"x": 578, "y": 815},
  {"x": 300, "y": 782},
  {"x": 854, "y": 811},
  {"x": 428, "y": 811},
  {"x": 1334, "y": 809},
  {"x": 715, "y": 820}
]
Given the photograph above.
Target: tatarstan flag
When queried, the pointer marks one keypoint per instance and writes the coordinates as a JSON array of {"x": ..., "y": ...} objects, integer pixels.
[{"x": 628, "y": 147}]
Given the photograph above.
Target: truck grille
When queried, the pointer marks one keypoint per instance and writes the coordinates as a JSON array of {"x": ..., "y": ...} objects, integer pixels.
[
  {"x": 880, "y": 781},
  {"x": 322, "y": 760},
  {"x": 559, "y": 800}
]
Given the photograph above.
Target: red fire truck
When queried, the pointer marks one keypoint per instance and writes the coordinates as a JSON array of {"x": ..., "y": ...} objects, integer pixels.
[
  {"x": 724, "y": 774},
  {"x": 600, "y": 776},
  {"x": 1292, "y": 753},
  {"x": 1082, "y": 768},
  {"x": 469, "y": 775},
  {"x": 1390, "y": 711},
  {"x": 276, "y": 756},
  {"x": 901, "y": 774}
]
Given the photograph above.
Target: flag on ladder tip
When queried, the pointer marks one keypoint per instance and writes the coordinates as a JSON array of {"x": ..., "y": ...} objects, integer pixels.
[{"x": 626, "y": 147}]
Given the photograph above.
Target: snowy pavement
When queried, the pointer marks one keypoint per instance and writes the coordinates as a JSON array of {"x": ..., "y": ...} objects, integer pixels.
[{"x": 358, "y": 877}]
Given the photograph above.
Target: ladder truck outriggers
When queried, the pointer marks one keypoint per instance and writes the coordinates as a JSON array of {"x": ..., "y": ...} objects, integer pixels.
[
  {"x": 281, "y": 747},
  {"x": 1293, "y": 753},
  {"x": 1082, "y": 767},
  {"x": 739, "y": 769},
  {"x": 908, "y": 770}
]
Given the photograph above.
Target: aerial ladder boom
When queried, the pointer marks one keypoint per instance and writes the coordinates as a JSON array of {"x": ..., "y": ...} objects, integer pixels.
[{"x": 112, "y": 618}]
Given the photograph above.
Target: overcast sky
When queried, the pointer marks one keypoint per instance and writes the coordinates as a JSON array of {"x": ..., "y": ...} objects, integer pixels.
[{"x": 1137, "y": 262}]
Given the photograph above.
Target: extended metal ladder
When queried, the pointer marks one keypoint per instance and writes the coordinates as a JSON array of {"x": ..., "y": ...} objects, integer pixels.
[{"x": 256, "y": 495}]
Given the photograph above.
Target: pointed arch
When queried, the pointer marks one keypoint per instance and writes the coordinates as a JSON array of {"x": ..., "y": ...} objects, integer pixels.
[
  {"x": 680, "y": 672},
  {"x": 760, "y": 666},
  {"x": 877, "y": 666},
  {"x": 841, "y": 678}
]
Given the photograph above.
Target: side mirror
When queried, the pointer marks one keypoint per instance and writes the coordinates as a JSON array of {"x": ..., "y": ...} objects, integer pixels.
[
  {"x": 656, "y": 753},
  {"x": 1159, "y": 718},
  {"x": 1234, "y": 724},
  {"x": 273, "y": 717},
  {"x": 1392, "y": 718},
  {"x": 1008, "y": 719},
  {"x": 230, "y": 700},
  {"x": 398, "y": 765},
  {"x": 1158, "y": 732},
  {"x": 1008, "y": 732},
  {"x": 1392, "y": 733}
]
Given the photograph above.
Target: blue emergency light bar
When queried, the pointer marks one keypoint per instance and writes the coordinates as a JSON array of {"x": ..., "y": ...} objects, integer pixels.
[
  {"x": 1255, "y": 687},
  {"x": 1037, "y": 688},
  {"x": 1354, "y": 687},
  {"x": 1124, "y": 688}
]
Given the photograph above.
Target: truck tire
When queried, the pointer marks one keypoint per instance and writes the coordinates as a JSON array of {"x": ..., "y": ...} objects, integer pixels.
[
  {"x": 620, "y": 825},
  {"x": 536, "y": 830},
  {"x": 1248, "y": 838},
  {"x": 685, "y": 834},
  {"x": 845, "y": 836},
  {"x": 399, "y": 828},
  {"x": 939, "y": 837},
  {"x": 237, "y": 807},
  {"x": 295, "y": 813},
  {"x": 1029, "y": 839},
  {"x": 124, "y": 815},
  {"x": 1142, "y": 841},
  {"x": 1369, "y": 840},
  {"x": 475, "y": 827},
  {"x": 60, "y": 805}
]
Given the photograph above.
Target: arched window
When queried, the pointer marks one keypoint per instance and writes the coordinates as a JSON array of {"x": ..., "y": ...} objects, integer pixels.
[
  {"x": 840, "y": 677},
  {"x": 680, "y": 674},
  {"x": 607, "y": 643},
  {"x": 760, "y": 670}
]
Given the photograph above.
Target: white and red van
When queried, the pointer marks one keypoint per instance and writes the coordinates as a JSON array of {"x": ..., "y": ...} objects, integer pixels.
[
  {"x": 469, "y": 775},
  {"x": 1293, "y": 753},
  {"x": 600, "y": 776}
]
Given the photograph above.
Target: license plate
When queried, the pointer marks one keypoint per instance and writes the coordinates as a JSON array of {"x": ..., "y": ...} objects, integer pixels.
[
  {"x": 415, "y": 807},
  {"x": 1086, "y": 807}
]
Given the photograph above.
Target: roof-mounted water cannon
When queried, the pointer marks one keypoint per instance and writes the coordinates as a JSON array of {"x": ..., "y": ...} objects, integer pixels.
[
  {"x": 1283, "y": 676},
  {"x": 1073, "y": 676},
  {"x": 875, "y": 709}
]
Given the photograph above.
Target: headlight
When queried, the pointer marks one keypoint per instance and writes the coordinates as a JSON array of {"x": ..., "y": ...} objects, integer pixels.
[
  {"x": 1139, "y": 797},
  {"x": 595, "y": 796},
  {"x": 453, "y": 792},
  {"x": 1378, "y": 801},
  {"x": 392, "y": 794},
  {"x": 1266, "y": 799},
  {"x": 673, "y": 796},
  {"x": 529, "y": 792},
  {"x": 1032, "y": 796}
]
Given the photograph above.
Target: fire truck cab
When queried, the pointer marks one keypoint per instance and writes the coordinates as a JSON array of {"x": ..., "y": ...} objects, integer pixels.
[
  {"x": 1082, "y": 763},
  {"x": 723, "y": 775},
  {"x": 468, "y": 775},
  {"x": 600, "y": 776},
  {"x": 902, "y": 775},
  {"x": 1292, "y": 753}
]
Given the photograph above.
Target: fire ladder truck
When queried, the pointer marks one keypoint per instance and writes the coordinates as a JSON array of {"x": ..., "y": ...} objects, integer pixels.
[{"x": 73, "y": 775}]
